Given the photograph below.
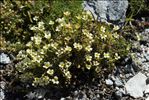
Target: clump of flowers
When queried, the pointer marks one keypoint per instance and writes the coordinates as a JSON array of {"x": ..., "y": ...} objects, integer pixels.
[{"x": 73, "y": 43}]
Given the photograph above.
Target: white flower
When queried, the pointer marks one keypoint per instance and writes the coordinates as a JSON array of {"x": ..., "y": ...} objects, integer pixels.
[
  {"x": 106, "y": 55},
  {"x": 68, "y": 49},
  {"x": 41, "y": 51},
  {"x": 103, "y": 36},
  {"x": 79, "y": 17},
  {"x": 54, "y": 45},
  {"x": 77, "y": 46},
  {"x": 50, "y": 71},
  {"x": 95, "y": 63},
  {"x": 29, "y": 44},
  {"x": 36, "y": 18},
  {"x": 90, "y": 36},
  {"x": 68, "y": 26},
  {"x": 116, "y": 27},
  {"x": 97, "y": 55},
  {"x": 88, "y": 48},
  {"x": 115, "y": 35},
  {"x": 21, "y": 54},
  {"x": 55, "y": 80},
  {"x": 102, "y": 29},
  {"x": 51, "y": 22},
  {"x": 58, "y": 29},
  {"x": 61, "y": 65},
  {"x": 89, "y": 13},
  {"x": 85, "y": 17},
  {"x": 33, "y": 28},
  {"x": 117, "y": 56},
  {"x": 29, "y": 51},
  {"x": 68, "y": 64},
  {"x": 60, "y": 20},
  {"x": 88, "y": 58},
  {"x": 47, "y": 65},
  {"x": 77, "y": 26},
  {"x": 67, "y": 74},
  {"x": 45, "y": 47},
  {"x": 41, "y": 26},
  {"x": 38, "y": 40},
  {"x": 88, "y": 66},
  {"x": 67, "y": 13},
  {"x": 37, "y": 59},
  {"x": 85, "y": 32},
  {"x": 47, "y": 35}
]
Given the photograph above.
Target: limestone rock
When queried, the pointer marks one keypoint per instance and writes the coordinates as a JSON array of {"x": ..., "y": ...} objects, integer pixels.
[
  {"x": 4, "y": 58},
  {"x": 109, "y": 82},
  {"x": 113, "y": 11},
  {"x": 136, "y": 85}
]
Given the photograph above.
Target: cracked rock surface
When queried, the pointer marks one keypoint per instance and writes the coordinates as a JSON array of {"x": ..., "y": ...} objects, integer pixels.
[{"x": 107, "y": 10}]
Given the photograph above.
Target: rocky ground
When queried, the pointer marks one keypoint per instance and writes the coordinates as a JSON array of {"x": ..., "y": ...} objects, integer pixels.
[{"x": 128, "y": 81}]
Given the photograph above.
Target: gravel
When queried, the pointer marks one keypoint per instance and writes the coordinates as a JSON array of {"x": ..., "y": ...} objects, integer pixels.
[{"x": 128, "y": 81}]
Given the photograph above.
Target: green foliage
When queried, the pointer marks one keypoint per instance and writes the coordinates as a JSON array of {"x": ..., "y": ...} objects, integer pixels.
[
  {"x": 17, "y": 16},
  {"x": 138, "y": 6},
  {"x": 70, "y": 5},
  {"x": 57, "y": 44},
  {"x": 71, "y": 46}
]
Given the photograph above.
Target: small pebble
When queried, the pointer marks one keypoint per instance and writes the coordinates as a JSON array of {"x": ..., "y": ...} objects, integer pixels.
[
  {"x": 109, "y": 82},
  {"x": 118, "y": 82}
]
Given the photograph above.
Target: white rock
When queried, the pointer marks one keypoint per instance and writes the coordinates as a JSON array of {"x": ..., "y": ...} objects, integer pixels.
[
  {"x": 147, "y": 89},
  {"x": 62, "y": 99},
  {"x": 147, "y": 98},
  {"x": 4, "y": 58},
  {"x": 2, "y": 94},
  {"x": 136, "y": 85},
  {"x": 109, "y": 82}
]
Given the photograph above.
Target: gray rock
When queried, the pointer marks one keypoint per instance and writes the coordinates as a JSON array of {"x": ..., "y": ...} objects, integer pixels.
[
  {"x": 146, "y": 57},
  {"x": 136, "y": 85},
  {"x": 2, "y": 90},
  {"x": 2, "y": 94},
  {"x": 82, "y": 96},
  {"x": 107, "y": 10},
  {"x": 141, "y": 60},
  {"x": 109, "y": 82},
  {"x": 37, "y": 94},
  {"x": 31, "y": 95},
  {"x": 113, "y": 78},
  {"x": 75, "y": 93},
  {"x": 118, "y": 94},
  {"x": 127, "y": 69},
  {"x": 2, "y": 85},
  {"x": 118, "y": 82},
  {"x": 128, "y": 75},
  {"x": 4, "y": 58},
  {"x": 147, "y": 30},
  {"x": 145, "y": 66}
]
